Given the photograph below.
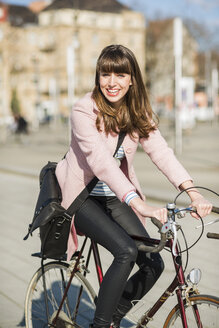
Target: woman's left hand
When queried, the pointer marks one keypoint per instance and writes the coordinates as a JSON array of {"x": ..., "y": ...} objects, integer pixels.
[{"x": 203, "y": 207}]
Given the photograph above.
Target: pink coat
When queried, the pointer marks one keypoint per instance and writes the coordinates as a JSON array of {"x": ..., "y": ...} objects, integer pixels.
[{"x": 91, "y": 153}]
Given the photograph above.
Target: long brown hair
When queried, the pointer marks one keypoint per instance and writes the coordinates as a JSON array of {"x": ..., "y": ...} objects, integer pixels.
[{"x": 135, "y": 114}]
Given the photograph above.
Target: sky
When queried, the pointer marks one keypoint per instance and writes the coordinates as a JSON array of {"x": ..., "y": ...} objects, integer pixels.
[{"x": 204, "y": 12}]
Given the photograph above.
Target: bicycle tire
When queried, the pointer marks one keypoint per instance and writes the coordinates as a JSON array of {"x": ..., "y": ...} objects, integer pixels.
[
  {"x": 208, "y": 307},
  {"x": 35, "y": 309}
]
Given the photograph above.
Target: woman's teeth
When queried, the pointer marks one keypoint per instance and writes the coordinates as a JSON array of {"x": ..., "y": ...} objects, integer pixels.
[{"x": 113, "y": 92}]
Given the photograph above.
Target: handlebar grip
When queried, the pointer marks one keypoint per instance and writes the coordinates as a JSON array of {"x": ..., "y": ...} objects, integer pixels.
[
  {"x": 154, "y": 249},
  {"x": 215, "y": 209},
  {"x": 213, "y": 235},
  {"x": 158, "y": 248}
]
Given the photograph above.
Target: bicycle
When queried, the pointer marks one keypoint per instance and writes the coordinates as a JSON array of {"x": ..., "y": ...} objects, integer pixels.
[{"x": 59, "y": 294}]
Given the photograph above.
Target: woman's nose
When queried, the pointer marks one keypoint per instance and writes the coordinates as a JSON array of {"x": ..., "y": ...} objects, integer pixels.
[{"x": 112, "y": 80}]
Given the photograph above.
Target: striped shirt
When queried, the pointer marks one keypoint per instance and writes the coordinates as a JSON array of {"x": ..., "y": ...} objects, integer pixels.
[{"x": 102, "y": 189}]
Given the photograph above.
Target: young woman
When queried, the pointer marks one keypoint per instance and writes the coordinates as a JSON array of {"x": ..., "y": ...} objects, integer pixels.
[{"x": 116, "y": 207}]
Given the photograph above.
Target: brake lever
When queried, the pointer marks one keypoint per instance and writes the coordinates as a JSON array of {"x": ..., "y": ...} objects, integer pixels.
[
  {"x": 174, "y": 230},
  {"x": 171, "y": 226},
  {"x": 181, "y": 212},
  {"x": 166, "y": 227}
]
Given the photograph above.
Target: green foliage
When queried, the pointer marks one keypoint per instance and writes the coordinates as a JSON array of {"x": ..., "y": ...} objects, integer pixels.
[{"x": 15, "y": 105}]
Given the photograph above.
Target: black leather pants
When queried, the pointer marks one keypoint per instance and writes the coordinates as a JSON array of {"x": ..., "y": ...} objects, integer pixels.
[{"x": 109, "y": 222}]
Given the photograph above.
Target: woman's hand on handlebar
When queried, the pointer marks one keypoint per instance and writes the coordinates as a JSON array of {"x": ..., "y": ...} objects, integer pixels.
[
  {"x": 203, "y": 207},
  {"x": 149, "y": 211}
]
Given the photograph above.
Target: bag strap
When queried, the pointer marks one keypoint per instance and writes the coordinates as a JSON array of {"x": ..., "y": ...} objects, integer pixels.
[{"x": 79, "y": 200}]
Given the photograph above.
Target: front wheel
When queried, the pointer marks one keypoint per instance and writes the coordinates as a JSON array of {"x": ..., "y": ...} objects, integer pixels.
[
  {"x": 200, "y": 308},
  {"x": 78, "y": 308}
]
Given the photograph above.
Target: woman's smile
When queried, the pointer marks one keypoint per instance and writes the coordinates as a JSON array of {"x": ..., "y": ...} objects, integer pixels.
[
  {"x": 114, "y": 87},
  {"x": 112, "y": 92}
]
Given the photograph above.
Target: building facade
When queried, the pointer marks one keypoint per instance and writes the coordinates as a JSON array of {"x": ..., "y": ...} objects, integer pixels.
[
  {"x": 160, "y": 67},
  {"x": 50, "y": 60}
]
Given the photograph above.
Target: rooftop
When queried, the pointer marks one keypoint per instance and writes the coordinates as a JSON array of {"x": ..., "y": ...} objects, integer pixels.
[
  {"x": 18, "y": 15},
  {"x": 112, "y": 6}
]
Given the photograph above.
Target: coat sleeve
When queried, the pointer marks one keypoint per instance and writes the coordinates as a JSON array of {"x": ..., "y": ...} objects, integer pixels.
[
  {"x": 97, "y": 154},
  {"x": 163, "y": 157}
]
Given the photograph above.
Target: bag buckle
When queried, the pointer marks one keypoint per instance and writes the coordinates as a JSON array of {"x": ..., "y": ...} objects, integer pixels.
[
  {"x": 59, "y": 228},
  {"x": 57, "y": 235},
  {"x": 68, "y": 216},
  {"x": 59, "y": 225}
]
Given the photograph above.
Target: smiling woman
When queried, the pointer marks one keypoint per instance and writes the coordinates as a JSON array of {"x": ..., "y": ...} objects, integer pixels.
[
  {"x": 115, "y": 208},
  {"x": 114, "y": 87},
  {"x": 120, "y": 93}
]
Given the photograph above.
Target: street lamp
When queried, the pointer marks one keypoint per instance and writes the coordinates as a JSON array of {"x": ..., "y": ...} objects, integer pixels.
[
  {"x": 215, "y": 88},
  {"x": 71, "y": 74},
  {"x": 71, "y": 70},
  {"x": 37, "y": 86},
  {"x": 178, "y": 45}
]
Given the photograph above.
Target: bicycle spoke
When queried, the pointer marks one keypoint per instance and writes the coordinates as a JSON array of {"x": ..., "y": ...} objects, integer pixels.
[
  {"x": 56, "y": 276},
  {"x": 203, "y": 312}
]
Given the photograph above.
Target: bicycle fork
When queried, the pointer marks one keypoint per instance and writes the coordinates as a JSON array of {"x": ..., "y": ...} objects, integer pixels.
[
  {"x": 177, "y": 285},
  {"x": 182, "y": 299}
]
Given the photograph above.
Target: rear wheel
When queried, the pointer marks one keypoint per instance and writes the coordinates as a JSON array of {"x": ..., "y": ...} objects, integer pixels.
[
  {"x": 204, "y": 306},
  {"x": 78, "y": 308}
]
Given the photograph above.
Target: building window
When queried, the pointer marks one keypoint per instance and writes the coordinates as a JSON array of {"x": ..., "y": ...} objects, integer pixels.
[
  {"x": 32, "y": 38},
  {"x": 93, "y": 61},
  {"x": 95, "y": 39}
]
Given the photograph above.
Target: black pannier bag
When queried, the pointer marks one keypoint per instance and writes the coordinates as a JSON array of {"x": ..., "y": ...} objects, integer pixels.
[
  {"x": 50, "y": 217},
  {"x": 53, "y": 220}
]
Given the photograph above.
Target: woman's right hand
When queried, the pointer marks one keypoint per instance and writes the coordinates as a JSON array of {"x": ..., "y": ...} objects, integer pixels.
[{"x": 148, "y": 211}]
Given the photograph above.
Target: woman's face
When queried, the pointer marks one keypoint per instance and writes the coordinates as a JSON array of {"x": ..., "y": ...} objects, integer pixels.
[{"x": 114, "y": 87}]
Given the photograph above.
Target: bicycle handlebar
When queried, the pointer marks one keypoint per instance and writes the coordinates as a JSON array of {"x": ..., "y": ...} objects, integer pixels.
[
  {"x": 163, "y": 238},
  {"x": 213, "y": 235},
  {"x": 215, "y": 209}
]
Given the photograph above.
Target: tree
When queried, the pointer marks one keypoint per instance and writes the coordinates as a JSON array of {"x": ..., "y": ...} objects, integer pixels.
[
  {"x": 15, "y": 105},
  {"x": 206, "y": 37}
]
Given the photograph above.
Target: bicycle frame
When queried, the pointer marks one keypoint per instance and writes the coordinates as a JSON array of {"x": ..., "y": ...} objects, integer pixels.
[
  {"x": 177, "y": 284},
  {"x": 93, "y": 248},
  {"x": 178, "y": 281}
]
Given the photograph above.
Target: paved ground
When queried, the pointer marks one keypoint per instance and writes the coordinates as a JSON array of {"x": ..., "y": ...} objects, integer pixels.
[{"x": 20, "y": 163}]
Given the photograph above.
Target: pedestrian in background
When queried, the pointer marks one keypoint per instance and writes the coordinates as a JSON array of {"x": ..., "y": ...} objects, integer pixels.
[{"x": 21, "y": 125}]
